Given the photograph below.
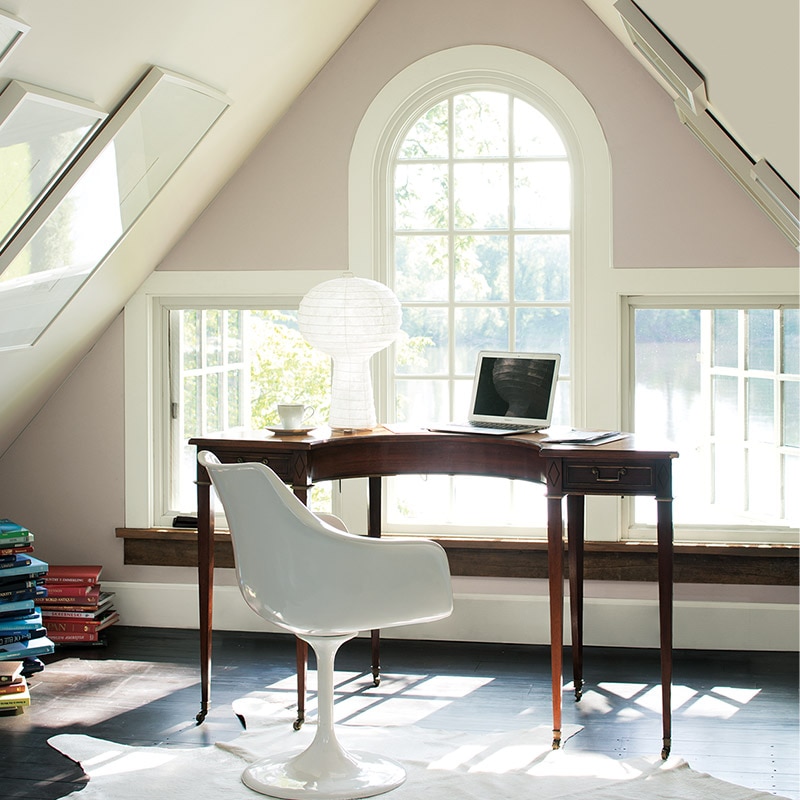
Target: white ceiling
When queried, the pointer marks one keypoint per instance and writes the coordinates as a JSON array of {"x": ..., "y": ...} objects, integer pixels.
[{"x": 262, "y": 54}]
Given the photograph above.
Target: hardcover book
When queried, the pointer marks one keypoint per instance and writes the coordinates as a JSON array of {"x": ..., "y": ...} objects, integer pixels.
[
  {"x": 8, "y": 528},
  {"x": 14, "y": 549},
  {"x": 79, "y": 573},
  {"x": 9, "y": 637},
  {"x": 36, "y": 567},
  {"x": 10, "y": 671},
  {"x": 27, "y": 623},
  {"x": 71, "y": 590},
  {"x": 16, "y": 687},
  {"x": 31, "y": 649},
  {"x": 15, "y": 608},
  {"x": 17, "y": 560},
  {"x": 16, "y": 700},
  {"x": 85, "y": 596}
]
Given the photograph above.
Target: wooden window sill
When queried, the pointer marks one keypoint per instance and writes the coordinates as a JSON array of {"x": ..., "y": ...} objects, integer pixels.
[{"x": 613, "y": 561}]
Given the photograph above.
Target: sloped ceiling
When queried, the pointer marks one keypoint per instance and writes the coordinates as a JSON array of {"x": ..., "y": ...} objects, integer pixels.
[
  {"x": 749, "y": 54},
  {"x": 262, "y": 54}
]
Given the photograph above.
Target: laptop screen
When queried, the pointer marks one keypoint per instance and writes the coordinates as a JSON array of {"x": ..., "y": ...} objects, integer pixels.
[{"x": 517, "y": 388}]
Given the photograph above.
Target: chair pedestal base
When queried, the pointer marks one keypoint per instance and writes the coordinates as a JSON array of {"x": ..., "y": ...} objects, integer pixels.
[
  {"x": 324, "y": 770},
  {"x": 288, "y": 775}
]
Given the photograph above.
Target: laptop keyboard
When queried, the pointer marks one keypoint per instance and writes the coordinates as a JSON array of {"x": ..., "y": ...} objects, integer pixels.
[{"x": 502, "y": 426}]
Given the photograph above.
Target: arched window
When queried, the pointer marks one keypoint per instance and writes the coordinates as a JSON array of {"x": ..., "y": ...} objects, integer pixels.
[{"x": 472, "y": 160}]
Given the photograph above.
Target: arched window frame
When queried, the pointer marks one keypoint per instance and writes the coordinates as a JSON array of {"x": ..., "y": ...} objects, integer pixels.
[{"x": 486, "y": 67}]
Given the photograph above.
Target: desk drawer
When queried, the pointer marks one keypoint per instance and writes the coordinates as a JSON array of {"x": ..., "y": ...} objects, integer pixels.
[
  {"x": 280, "y": 463},
  {"x": 612, "y": 478}
]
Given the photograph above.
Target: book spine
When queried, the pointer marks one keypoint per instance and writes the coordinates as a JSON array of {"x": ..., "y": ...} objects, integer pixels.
[
  {"x": 49, "y": 613},
  {"x": 6, "y": 562},
  {"x": 13, "y": 688},
  {"x": 15, "y": 701},
  {"x": 14, "y": 551},
  {"x": 77, "y": 590},
  {"x": 90, "y": 636},
  {"x": 11, "y": 638},
  {"x": 61, "y": 574}
]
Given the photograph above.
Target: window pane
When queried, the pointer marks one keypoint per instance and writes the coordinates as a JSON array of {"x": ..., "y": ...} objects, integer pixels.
[
  {"x": 481, "y": 267},
  {"x": 763, "y": 478},
  {"x": 481, "y": 125},
  {"x": 213, "y": 403},
  {"x": 422, "y": 402},
  {"x": 725, "y": 398},
  {"x": 481, "y": 196},
  {"x": 428, "y": 137},
  {"x": 542, "y": 195},
  {"x": 421, "y": 197},
  {"x": 790, "y": 340},
  {"x": 534, "y": 134},
  {"x": 760, "y": 410},
  {"x": 423, "y": 342},
  {"x": 542, "y": 268},
  {"x": 791, "y": 413},
  {"x": 192, "y": 410},
  {"x": 544, "y": 330},
  {"x": 760, "y": 339},
  {"x": 191, "y": 340},
  {"x": 478, "y": 329},
  {"x": 234, "y": 404},
  {"x": 421, "y": 268},
  {"x": 234, "y": 340},
  {"x": 791, "y": 478},
  {"x": 213, "y": 339},
  {"x": 726, "y": 337}
]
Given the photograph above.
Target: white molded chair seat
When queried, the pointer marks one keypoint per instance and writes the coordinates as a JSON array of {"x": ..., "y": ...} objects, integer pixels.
[{"x": 324, "y": 585}]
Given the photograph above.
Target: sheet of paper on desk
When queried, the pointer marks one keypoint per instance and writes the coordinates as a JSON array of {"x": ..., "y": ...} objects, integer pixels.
[{"x": 574, "y": 436}]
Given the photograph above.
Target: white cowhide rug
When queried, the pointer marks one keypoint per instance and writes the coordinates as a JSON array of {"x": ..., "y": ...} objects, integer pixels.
[{"x": 441, "y": 765}]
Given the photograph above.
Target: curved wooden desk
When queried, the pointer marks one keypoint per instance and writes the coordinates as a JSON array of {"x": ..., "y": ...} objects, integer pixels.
[{"x": 618, "y": 468}]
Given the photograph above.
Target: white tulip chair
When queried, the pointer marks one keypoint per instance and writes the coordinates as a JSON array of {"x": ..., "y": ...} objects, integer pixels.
[{"x": 324, "y": 585}]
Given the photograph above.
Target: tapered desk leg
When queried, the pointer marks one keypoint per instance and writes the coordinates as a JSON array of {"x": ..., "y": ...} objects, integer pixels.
[
  {"x": 301, "y": 656},
  {"x": 205, "y": 584},
  {"x": 374, "y": 530},
  {"x": 555, "y": 568},
  {"x": 575, "y": 531},
  {"x": 665, "y": 594}
]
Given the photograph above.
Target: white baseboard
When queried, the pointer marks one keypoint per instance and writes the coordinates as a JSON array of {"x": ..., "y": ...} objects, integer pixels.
[{"x": 505, "y": 618}]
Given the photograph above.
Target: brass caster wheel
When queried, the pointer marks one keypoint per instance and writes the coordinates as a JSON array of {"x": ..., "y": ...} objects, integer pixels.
[{"x": 298, "y": 723}]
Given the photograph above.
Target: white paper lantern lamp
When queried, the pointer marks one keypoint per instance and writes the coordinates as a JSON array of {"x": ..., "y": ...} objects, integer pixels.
[{"x": 350, "y": 319}]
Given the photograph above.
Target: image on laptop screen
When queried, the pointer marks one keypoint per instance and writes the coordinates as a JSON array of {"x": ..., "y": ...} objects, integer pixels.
[
  {"x": 516, "y": 388},
  {"x": 510, "y": 390}
]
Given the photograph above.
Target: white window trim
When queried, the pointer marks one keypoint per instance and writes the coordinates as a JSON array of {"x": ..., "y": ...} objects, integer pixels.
[
  {"x": 147, "y": 365},
  {"x": 489, "y": 66}
]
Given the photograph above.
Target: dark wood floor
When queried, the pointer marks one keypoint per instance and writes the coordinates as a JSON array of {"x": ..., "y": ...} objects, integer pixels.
[{"x": 736, "y": 714}]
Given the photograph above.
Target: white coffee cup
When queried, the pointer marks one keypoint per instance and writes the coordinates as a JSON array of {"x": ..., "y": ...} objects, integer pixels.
[{"x": 293, "y": 415}]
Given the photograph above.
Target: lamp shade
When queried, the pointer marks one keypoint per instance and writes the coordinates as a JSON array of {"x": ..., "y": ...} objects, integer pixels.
[{"x": 350, "y": 319}]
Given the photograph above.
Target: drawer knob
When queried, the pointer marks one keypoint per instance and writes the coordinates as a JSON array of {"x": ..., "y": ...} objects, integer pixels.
[{"x": 612, "y": 475}]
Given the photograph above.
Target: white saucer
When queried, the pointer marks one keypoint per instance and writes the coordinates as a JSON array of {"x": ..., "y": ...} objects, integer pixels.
[{"x": 292, "y": 431}]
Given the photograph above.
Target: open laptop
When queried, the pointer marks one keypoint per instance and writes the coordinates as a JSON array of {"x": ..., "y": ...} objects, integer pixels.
[{"x": 511, "y": 393}]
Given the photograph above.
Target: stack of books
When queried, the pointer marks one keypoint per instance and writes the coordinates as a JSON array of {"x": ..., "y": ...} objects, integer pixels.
[
  {"x": 76, "y": 610},
  {"x": 14, "y": 693},
  {"x": 23, "y": 637}
]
